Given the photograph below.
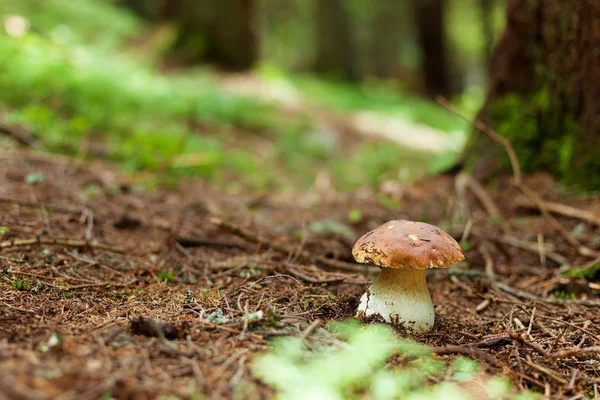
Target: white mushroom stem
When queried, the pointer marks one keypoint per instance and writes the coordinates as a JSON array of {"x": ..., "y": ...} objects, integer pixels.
[{"x": 400, "y": 295}]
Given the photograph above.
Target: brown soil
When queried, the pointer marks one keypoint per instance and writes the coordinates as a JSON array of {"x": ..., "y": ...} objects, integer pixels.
[{"x": 98, "y": 300}]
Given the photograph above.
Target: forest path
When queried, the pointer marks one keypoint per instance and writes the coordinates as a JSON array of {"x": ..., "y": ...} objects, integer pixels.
[{"x": 366, "y": 123}]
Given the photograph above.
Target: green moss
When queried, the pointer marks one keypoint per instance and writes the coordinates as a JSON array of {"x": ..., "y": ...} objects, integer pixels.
[{"x": 545, "y": 139}]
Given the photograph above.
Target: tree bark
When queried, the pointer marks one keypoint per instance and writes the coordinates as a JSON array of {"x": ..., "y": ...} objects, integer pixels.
[
  {"x": 224, "y": 33},
  {"x": 385, "y": 39},
  {"x": 335, "y": 50},
  {"x": 545, "y": 92},
  {"x": 429, "y": 17}
]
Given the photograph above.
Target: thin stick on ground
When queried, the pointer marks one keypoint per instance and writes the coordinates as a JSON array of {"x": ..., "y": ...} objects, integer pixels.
[
  {"x": 59, "y": 241},
  {"x": 54, "y": 207},
  {"x": 567, "y": 211},
  {"x": 19, "y": 134},
  {"x": 518, "y": 179},
  {"x": 251, "y": 237},
  {"x": 516, "y": 292}
]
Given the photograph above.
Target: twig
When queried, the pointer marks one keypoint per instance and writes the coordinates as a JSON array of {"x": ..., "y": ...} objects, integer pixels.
[
  {"x": 227, "y": 329},
  {"x": 469, "y": 351},
  {"x": 25, "y": 203},
  {"x": 292, "y": 269},
  {"x": 522, "y": 244},
  {"x": 542, "y": 249},
  {"x": 529, "y": 296},
  {"x": 567, "y": 211},
  {"x": 576, "y": 352},
  {"x": 546, "y": 371},
  {"x": 482, "y": 196},
  {"x": 19, "y": 134},
  {"x": 251, "y": 237},
  {"x": 516, "y": 292},
  {"x": 186, "y": 241},
  {"x": 487, "y": 257},
  {"x": 310, "y": 328},
  {"x": 59, "y": 241},
  {"x": 518, "y": 179}
]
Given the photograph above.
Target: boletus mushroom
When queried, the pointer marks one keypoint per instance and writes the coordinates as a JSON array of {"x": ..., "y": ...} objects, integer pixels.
[{"x": 404, "y": 250}]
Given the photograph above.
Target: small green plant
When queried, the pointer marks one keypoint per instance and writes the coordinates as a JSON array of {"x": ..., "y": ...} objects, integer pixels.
[
  {"x": 355, "y": 215},
  {"x": 68, "y": 295},
  {"x": 164, "y": 276},
  {"x": 589, "y": 272},
  {"x": 350, "y": 363},
  {"x": 562, "y": 295},
  {"x": 20, "y": 284},
  {"x": 3, "y": 230}
]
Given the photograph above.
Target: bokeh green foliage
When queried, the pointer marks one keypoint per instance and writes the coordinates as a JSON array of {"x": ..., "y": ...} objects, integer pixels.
[
  {"x": 546, "y": 139},
  {"x": 76, "y": 81},
  {"x": 349, "y": 361},
  {"x": 81, "y": 21}
]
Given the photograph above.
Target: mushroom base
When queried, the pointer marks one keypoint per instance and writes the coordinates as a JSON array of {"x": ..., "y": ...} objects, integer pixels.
[{"x": 401, "y": 297}]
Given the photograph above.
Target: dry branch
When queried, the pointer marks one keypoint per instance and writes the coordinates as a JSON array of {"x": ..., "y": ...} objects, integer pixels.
[
  {"x": 19, "y": 134},
  {"x": 251, "y": 237},
  {"x": 567, "y": 211},
  {"x": 59, "y": 241}
]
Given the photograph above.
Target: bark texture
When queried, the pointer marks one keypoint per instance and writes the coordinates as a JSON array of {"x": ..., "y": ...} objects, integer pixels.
[
  {"x": 429, "y": 17},
  {"x": 545, "y": 92},
  {"x": 224, "y": 33}
]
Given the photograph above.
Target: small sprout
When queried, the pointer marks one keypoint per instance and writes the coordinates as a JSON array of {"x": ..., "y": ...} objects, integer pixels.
[
  {"x": 3, "y": 230},
  {"x": 355, "y": 215},
  {"x": 114, "y": 190},
  {"x": 68, "y": 295},
  {"x": 561, "y": 294},
  {"x": 466, "y": 245},
  {"x": 21, "y": 284},
  {"x": 272, "y": 317},
  {"x": 495, "y": 219},
  {"x": 389, "y": 202},
  {"x": 164, "y": 276},
  {"x": 34, "y": 177},
  {"x": 92, "y": 191}
]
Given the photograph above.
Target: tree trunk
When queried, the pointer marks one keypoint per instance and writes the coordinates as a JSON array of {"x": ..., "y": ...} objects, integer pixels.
[
  {"x": 335, "y": 50},
  {"x": 545, "y": 92},
  {"x": 486, "y": 9},
  {"x": 429, "y": 16},
  {"x": 225, "y": 33},
  {"x": 385, "y": 39}
]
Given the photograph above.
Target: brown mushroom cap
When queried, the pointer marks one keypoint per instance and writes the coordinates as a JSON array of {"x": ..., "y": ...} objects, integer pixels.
[{"x": 407, "y": 244}]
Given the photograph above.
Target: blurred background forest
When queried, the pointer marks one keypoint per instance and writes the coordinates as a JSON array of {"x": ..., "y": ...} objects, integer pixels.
[
  {"x": 307, "y": 88},
  {"x": 314, "y": 87}
]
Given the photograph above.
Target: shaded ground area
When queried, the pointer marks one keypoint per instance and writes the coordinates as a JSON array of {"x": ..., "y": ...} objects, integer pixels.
[{"x": 85, "y": 254}]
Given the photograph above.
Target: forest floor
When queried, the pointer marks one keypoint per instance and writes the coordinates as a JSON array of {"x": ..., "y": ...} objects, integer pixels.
[{"x": 86, "y": 260}]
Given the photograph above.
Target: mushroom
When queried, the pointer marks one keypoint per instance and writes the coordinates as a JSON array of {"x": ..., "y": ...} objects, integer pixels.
[{"x": 404, "y": 250}]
